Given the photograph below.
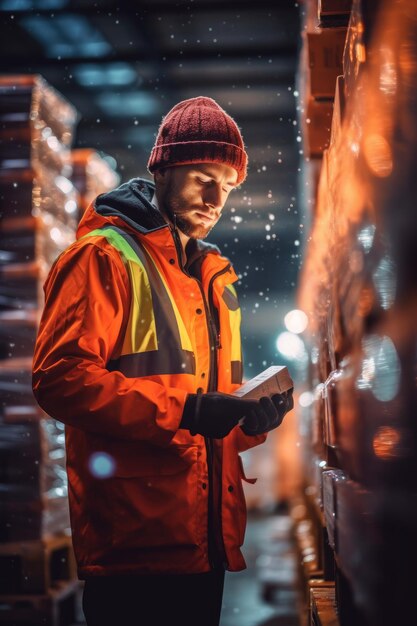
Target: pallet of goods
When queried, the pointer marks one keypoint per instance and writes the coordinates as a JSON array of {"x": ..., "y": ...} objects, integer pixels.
[
  {"x": 37, "y": 222},
  {"x": 93, "y": 174},
  {"x": 321, "y": 61},
  {"x": 359, "y": 290}
]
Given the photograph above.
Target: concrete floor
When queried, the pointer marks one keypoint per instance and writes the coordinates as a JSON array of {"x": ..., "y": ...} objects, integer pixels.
[{"x": 265, "y": 594}]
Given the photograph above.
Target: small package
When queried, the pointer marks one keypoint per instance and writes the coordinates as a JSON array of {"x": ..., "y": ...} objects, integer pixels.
[{"x": 275, "y": 379}]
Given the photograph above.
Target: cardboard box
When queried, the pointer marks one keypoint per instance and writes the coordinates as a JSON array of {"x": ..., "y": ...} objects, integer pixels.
[
  {"x": 323, "y": 606},
  {"x": 325, "y": 53},
  {"x": 334, "y": 9},
  {"x": 354, "y": 55},
  {"x": 275, "y": 379},
  {"x": 338, "y": 111},
  {"x": 318, "y": 122}
]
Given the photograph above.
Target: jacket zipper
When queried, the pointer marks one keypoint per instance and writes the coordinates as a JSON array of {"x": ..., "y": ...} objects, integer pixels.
[
  {"x": 211, "y": 306},
  {"x": 214, "y": 340},
  {"x": 220, "y": 549}
]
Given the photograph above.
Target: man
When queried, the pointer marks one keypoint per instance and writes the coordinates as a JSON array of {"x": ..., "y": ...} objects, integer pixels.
[{"x": 138, "y": 353}]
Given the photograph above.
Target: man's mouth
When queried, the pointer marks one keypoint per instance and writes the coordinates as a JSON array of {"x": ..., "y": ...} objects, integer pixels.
[{"x": 204, "y": 218}]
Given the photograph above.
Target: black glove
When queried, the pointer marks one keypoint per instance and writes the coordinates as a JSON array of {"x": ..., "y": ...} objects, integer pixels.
[
  {"x": 214, "y": 414},
  {"x": 274, "y": 409}
]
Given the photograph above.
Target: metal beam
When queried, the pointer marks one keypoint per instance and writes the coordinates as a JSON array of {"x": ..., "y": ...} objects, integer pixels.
[
  {"x": 149, "y": 7},
  {"x": 36, "y": 63}
]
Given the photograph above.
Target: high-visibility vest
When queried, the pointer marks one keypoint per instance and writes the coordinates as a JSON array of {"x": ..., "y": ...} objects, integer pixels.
[
  {"x": 156, "y": 340},
  {"x": 151, "y": 513}
]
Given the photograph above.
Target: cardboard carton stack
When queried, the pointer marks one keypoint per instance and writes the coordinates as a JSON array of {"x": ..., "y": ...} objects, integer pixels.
[
  {"x": 324, "y": 34},
  {"x": 37, "y": 221},
  {"x": 92, "y": 174},
  {"x": 359, "y": 290}
]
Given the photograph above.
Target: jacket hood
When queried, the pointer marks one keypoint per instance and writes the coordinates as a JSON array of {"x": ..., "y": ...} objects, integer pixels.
[{"x": 130, "y": 207}]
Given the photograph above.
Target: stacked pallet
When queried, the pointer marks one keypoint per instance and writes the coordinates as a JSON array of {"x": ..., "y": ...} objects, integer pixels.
[
  {"x": 359, "y": 291},
  {"x": 38, "y": 220},
  {"x": 93, "y": 174},
  {"x": 324, "y": 34}
]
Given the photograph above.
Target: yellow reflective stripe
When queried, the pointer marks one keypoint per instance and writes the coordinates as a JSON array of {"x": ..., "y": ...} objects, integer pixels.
[
  {"x": 141, "y": 328},
  {"x": 235, "y": 321},
  {"x": 184, "y": 337},
  {"x": 235, "y": 348}
]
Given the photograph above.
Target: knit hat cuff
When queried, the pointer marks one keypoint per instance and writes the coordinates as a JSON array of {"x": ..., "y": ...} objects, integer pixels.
[{"x": 201, "y": 151}]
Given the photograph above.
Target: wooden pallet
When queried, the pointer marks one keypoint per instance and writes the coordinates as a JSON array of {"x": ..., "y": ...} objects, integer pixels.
[
  {"x": 28, "y": 567},
  {"x": 57, "y": 607},
  {"x": 323, "y": 606}
]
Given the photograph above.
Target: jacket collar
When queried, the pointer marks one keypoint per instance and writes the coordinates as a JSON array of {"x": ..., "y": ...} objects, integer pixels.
[{"x": 133, "y": 207}]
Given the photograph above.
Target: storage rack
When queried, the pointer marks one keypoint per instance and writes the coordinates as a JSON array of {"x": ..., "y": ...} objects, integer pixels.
[{"x": 355, "y": 520}]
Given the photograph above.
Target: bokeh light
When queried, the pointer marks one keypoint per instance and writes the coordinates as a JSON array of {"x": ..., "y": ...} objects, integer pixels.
[
  {"x": 291, "y": 346},
  {"x": 101, "y": 465},
  {"x": 296, "y": 321}
]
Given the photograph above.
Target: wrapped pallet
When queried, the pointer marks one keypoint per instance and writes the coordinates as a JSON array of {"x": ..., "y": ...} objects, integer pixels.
[
  {"x": 320, "y": 64},
  {"x": 37, "y": 222},
  {"x": 359, "y": 288},
  {"x": 93, "y": 174}
]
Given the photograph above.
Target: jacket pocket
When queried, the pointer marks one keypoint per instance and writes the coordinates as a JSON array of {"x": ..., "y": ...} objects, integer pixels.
[
  {"x": 243, "y": 476},
  {"x": 153, "y": 500},
  {"x": 138, "y": 460}
]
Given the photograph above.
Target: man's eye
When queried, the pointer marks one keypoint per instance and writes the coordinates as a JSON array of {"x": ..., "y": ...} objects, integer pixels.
[{"x": 203, "y": 182}]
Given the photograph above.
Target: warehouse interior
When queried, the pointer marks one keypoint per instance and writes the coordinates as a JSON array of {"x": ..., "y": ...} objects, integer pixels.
[
  {"x": 322, "y": 235},
  {"x": 122, "y": 69}
]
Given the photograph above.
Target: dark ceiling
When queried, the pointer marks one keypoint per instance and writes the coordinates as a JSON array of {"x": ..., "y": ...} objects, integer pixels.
[{"x": 123, "y": 67}]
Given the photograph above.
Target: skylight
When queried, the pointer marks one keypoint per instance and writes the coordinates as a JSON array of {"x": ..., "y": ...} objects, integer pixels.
[
  {"x": 106, "y": 75},
  {"x": 67, "y": 35}
]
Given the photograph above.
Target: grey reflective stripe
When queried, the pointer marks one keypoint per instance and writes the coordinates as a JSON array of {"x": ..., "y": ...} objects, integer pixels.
[
  {"x": 169, "y": 358},
  {"x": 154, "y": 363},
  {"x": 237, "y": 372},
  {"x": 230, "y": 299}
]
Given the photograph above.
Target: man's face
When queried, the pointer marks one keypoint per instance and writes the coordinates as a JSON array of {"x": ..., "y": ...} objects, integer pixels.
[{"x": 196, "y": 194}]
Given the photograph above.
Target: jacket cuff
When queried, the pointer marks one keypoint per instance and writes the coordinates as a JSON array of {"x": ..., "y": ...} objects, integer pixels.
[{"x": 188, "y": 419}]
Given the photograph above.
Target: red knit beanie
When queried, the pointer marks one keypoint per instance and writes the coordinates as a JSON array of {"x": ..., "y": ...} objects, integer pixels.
[{"x": 198, "y": 130}]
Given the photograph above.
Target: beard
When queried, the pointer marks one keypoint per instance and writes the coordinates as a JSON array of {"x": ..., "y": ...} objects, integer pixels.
[
  {"x": 194, "y": 231},
  {"x": 172, "y": 204}
]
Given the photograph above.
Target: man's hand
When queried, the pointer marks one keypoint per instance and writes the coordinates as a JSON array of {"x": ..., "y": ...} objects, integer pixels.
[
  {"x": 274, "y": 409},
  {"x": 214, "y": 414}
]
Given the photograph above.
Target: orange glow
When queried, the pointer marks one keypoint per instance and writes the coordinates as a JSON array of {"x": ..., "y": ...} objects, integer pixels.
[
  {"x": 366, "y": 301},
  {"x": 378, "y": 155},
  {"x": 386, "y": 442},
  {"x": 360, "y": 52}
]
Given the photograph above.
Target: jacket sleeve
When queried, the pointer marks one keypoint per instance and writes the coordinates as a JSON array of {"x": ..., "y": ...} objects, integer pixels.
[
  {"x": 244, "y": 442},
  {"x": 87, "y": 303}
]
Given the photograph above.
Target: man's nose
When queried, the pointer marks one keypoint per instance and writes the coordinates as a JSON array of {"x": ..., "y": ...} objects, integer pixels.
[{"x": 213, "y": 198}]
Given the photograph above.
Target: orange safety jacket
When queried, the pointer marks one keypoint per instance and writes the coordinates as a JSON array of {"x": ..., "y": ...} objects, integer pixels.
[{"x": 126, "y": 333}]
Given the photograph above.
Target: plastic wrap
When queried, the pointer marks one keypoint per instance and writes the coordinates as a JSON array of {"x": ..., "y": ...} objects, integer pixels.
[
  {"x": 37, "y": 124},
  {"x": 39, "y": 202},
  {"x": 32, "y": 460},
  {"x": 92, "y": 175},
  {"x": 30, "y": 192},
  {"x": 359, "y": 288},
  {"x": 40, "y": 238},
  {"x": 18, "y": 330},
  {"x": 38, "y": 221},
  {"x": 33, "y": 482},
  {"x": 22, "y": 519}
]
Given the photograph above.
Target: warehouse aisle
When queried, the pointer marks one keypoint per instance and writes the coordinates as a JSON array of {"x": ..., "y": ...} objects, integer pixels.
[{"x": 265, "y": 594}]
